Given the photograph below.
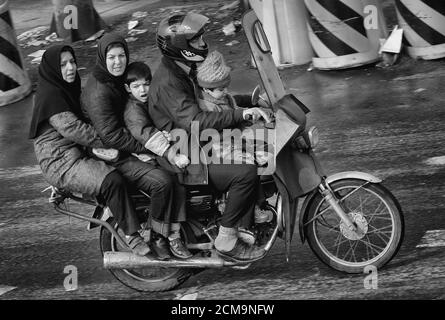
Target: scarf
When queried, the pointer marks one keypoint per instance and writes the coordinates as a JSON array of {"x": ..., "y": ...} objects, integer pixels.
[
  {"x": 54, "y": 95},
  {"x": 100, "y": 71}
]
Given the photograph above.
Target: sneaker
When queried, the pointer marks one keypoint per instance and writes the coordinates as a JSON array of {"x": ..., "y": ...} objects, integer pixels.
[
  {"x": 179, "y": 250},
  {"x": 137, "y": 245},
  {"x": 262, "y": 215},
  {"x": 242, "y": 252}
]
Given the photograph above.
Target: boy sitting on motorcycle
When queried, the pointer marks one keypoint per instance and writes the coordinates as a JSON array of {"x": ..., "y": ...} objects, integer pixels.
[
  {"x": 213, "y": 77},
  {"x": 139, "y": 124}
]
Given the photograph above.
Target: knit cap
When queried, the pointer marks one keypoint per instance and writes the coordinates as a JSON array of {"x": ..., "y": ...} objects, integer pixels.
[{"x": 213, "y": 72}]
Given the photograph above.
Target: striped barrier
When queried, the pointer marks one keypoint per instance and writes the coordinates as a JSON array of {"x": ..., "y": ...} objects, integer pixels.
[
  {"x": 423, "y": 24},
  {"x": 14, "y": 81},
  {"x": 338, "y": 34}
]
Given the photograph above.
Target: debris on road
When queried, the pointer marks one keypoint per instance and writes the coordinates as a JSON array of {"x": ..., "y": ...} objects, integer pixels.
[
  {"x": 232, "y": 5},
  {"x": 31, "y": 37},
  {"x": 232, "y": 28},
  {"x": 436, "y": 161},
  {"x": 33, "y": 33},
  {"x": 37, "y": 55},
  {"x": 131, "y": 39},
  {"x": 132, "y": 24},
  {"x": 192, "y": 296},
  {"x": 229, "y": 29},
  {"x": 4, "y": 289},
  {"x": 53, "y": 37},
  {"x": 36, "y": 43},
  {"x": 135, "y": 32},
  {"x": 95, "y": 36},
  {"x": 139, "y": 14},
  {"x": 390, "y": 50}
]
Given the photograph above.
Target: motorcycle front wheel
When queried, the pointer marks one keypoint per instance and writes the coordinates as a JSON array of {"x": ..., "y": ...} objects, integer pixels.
[
  {"x": 376, "y": 214},
  {"x": 153, "y": 279}
]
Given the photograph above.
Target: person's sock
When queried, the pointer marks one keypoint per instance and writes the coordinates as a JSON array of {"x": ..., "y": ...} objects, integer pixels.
[
  {"x": 174, "y": 235},
  {"x": 132, "y": 235},
  {"x": 226, "y": 239},
  {"x": 174, "y": 231}
]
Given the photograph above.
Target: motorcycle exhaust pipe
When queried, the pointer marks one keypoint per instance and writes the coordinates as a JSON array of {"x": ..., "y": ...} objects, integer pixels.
[{"x": 128, "y": 260}]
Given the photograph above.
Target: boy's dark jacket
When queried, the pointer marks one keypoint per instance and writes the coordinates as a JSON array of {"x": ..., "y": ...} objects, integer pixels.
[{"x": 140, "y": 124}]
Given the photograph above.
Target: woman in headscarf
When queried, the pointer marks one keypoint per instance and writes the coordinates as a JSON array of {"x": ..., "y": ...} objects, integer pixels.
[
  {"x": 103, "y": 102},
  {"x": 60, "y": 137}
]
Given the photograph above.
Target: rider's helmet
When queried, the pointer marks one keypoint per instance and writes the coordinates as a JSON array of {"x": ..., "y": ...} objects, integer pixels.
[{"x": 175, "y": 33}]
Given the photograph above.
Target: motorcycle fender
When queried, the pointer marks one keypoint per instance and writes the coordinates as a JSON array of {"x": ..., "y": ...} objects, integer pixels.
[
  {"x": 288, "y": 214},
  {"x": 332, "y": 178},
  {"x": 353, "y": 175}
]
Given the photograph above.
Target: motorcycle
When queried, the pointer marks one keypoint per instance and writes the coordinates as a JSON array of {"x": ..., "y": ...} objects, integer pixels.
[{"x": 349, "y": 219}]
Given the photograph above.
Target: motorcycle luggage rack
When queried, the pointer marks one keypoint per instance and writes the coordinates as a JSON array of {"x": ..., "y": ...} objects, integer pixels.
[{"x": 59, "y": 196}]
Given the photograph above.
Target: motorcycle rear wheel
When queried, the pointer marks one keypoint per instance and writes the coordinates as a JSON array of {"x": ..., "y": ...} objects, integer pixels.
[
  {"x": 142, "y": 279},
  {"x": 370, "y": 206}
]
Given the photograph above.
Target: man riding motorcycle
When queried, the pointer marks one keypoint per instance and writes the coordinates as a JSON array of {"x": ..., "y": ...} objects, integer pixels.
[{"x": 173, "y": 105}]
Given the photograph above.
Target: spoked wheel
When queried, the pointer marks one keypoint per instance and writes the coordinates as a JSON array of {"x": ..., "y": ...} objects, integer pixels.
[
  {"x": 153, "y": 279},
  {"x": 376, "y": 214}
]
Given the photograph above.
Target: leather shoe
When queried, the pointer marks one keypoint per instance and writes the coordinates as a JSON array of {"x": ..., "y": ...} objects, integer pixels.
[
  {"x": 138, "y": 245},
  {"x": 160, "y": 247},
  {"x": 179, "y": 250},
  {"x": 243, "y": 252}
]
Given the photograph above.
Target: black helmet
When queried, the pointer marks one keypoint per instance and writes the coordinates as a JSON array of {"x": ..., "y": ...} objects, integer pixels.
[{"x": 174, "y": 34}]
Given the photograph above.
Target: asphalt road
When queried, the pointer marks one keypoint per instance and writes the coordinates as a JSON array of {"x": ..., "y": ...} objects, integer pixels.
[{"x": 386, "y": 122}]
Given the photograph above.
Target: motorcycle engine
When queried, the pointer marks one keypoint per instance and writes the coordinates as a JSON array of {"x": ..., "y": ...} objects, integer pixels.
[{"x": 200, "y": 201}]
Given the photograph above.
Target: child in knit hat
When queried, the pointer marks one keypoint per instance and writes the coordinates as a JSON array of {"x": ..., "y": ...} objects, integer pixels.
[{"x": 213, "y": 77}]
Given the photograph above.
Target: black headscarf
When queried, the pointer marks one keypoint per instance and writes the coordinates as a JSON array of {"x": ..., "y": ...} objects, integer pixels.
[
  {"x": 100, "y": 71},
  {"x": 54, "y": 94}
]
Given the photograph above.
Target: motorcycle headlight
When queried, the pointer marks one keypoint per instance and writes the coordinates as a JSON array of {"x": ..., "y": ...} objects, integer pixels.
[{"x": 313, "y": 136}]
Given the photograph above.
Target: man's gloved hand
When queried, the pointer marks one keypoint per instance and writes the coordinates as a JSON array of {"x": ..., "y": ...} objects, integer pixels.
[
  {"x": 179, "y": 160},
  {"x": 254, "y": 114}
]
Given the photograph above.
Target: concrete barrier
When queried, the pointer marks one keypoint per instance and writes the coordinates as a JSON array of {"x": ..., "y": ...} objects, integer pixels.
[
  {"x": 338, "y": 35},
  {"x": 423, "y": 24},
  {"x": 14, "y": 80}
]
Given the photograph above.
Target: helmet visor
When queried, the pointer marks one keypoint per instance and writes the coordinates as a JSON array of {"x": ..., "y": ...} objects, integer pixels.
[{"x": 196, "y": 22}]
